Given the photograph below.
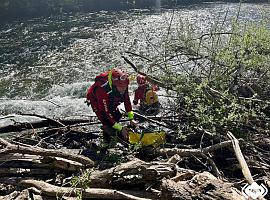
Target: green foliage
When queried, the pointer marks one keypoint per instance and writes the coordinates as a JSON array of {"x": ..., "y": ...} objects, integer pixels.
[
  {"x": 133, "y": 148},
  {"x": 219, "y": 116},
  {"x": 113, "y": 157},
  {"x": 245, "y": 53},
  {"x": 214, "y": 70},
  {"x": 81, "y": 182},
  {"x": 244, "y": 56}
]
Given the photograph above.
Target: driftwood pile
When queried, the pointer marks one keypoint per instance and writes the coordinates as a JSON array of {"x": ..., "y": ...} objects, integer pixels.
[{"x": 47, "y": 157}]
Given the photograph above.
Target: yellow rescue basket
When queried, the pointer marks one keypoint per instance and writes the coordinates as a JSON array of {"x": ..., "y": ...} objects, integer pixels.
[{"x": 153, "y": 138}]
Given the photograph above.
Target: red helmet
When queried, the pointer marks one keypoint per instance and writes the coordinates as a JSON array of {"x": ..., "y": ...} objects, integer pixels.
[
  {"x": 119, "y": 77},
  {"x": 141, "y": 79}
]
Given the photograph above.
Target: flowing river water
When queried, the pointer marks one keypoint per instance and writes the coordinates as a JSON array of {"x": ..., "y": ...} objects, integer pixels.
[{"x": 46, "y": 64}]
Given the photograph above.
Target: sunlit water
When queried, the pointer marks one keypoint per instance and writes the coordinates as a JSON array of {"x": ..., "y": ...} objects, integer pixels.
[{"x": 46, "y": 64}]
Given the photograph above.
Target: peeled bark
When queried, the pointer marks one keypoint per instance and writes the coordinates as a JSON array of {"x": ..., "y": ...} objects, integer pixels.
[
  {"x": 96, "y": 193},
  {"x": 135, "y": 172},
  {"x": 201, "y": 186},
  {"x": 40, "y": 163}
]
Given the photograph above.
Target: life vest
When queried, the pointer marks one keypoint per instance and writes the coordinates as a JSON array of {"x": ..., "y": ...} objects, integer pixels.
[{"x": 151, "y": 97}]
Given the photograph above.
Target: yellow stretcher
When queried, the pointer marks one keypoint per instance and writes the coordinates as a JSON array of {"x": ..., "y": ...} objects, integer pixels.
[{"x": 153, "y": 138}]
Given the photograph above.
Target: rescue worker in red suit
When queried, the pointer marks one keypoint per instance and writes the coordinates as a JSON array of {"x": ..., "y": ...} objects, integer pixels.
[
  {"x": 146, "y": 96},
  {"x": 105, "y": 95}
]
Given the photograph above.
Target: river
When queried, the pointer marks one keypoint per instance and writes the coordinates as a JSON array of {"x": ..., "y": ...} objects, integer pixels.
[{"x": 46, "y": 64}]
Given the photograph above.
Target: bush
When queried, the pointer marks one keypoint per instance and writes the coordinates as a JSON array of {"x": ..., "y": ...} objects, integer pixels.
[{"x": 220, "y": 77}]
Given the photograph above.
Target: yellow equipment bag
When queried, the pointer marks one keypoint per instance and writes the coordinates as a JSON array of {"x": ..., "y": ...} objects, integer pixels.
[{"x": 153, "y": 138}]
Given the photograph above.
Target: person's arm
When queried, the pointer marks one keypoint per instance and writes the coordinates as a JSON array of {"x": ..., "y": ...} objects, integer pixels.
[
  {"x": 136, "y": 97},
  {"x": 128, "y": 106},
  {"x": 129, "y": 111}
]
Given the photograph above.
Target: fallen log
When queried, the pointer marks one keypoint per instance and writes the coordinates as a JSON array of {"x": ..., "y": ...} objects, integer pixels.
[
  {"x": 19, "y": 157},
  {"x": 195, "y": 152},
  {"x": 13, "y": 195},
  {"x": 135, "y": 172},
  {"x": 21, "y": 172},
  {"x": 95, "y": 193},
  {"x": 50, "y": 120},
  {"x": 201, "y": 186},
  {"x": 42, "y": 163},
  {"x": 11, "y": 148},
  {"x": 52, "y": 125},
  {"x": 18, "y": 195},
  {"x": 189, "y": 152},
  {"x": 17, "y": 127}
]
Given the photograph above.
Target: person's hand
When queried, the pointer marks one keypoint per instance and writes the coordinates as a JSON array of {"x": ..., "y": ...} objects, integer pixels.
[
  {"x": 133, "y": 123},
  {"x": 124, "y": 133}
]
